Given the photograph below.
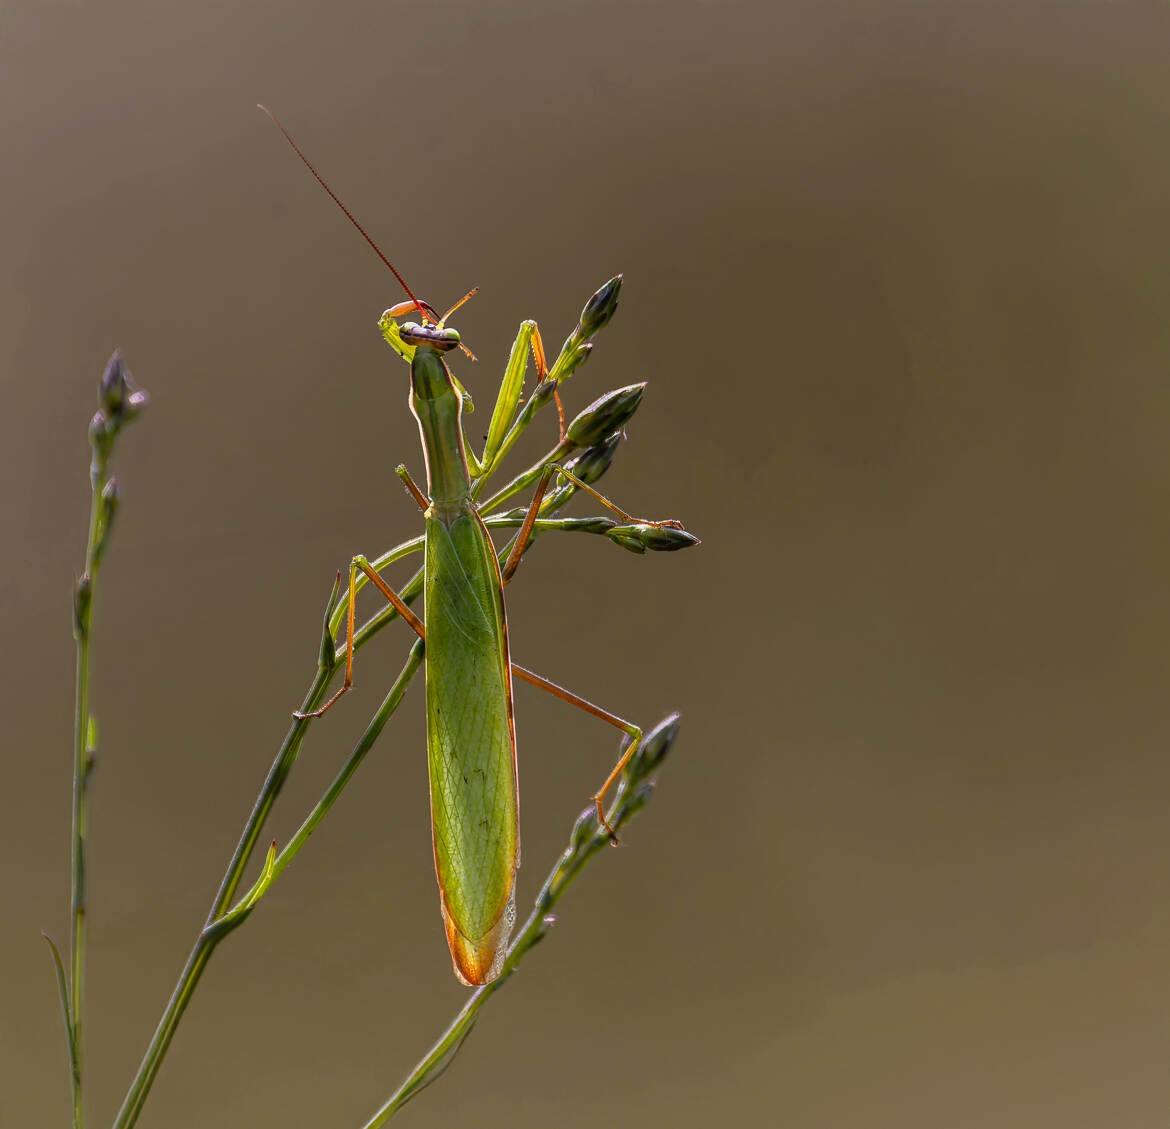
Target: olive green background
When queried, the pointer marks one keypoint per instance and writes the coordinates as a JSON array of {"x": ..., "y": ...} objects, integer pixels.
[{"x": 897, "y": 274}]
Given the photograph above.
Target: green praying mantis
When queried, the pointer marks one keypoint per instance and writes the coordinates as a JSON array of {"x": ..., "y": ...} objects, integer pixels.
[{"x": 471, "y": 732}]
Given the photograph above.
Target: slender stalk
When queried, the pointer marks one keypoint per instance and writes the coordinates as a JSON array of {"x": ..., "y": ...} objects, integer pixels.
[
  {"x": 585, "y": 841},
  {"x": 389, "y": 704},
  {"x": 118, "y": 403},
  {"x": 273, "y": 782},
  {"x": 84, "y": 620},
  {"x": 221, "y": 921},
  {"x": 527, "y": 477},
  {"x": 207, "y": 939}
]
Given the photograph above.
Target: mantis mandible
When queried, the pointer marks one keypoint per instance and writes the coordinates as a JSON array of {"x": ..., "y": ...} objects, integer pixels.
[{"x": 471, "y": 732}]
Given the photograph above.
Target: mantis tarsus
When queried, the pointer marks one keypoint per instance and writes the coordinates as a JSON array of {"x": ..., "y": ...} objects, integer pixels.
[{"x": 471, "y": 738}]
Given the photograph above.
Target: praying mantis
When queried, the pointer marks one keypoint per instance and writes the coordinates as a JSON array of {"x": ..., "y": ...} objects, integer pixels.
[{"x": 471, "y": 731}]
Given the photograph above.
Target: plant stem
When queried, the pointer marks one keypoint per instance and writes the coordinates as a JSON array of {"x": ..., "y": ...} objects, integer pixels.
[
  {"x": 389, "y": 704},
  {"x": 586, "y": 840},
  {"x": 220, "y": 921},
  {"x": 81, "y": 765},
  {"x": 119, "y": 402}
]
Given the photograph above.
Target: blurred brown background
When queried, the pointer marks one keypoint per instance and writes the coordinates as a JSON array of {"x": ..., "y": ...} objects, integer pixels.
[{"x": 897, "y": 275}]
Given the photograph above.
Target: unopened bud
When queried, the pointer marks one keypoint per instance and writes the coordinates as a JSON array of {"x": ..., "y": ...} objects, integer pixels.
[
  {"x": 576, "y": 359},
  {"x": 633, "y": 803},
  {"x": 111, "y": 498},
  {"x": 601, "y": 307},
  {"x": 593, "y": 462},
  {"x": 585, "y": 829},
  {"x": 112, "y": 389},
  {"x": 656, "y": 744},
  {"x": 119, "y": 399},
  {"x": 642, "y": 535},
  {"x": 82, "y": 601},
  {"x": 607, "y": 414},
  {"x": 542, "y": 393},
  {"x": 97, "y": 428}
]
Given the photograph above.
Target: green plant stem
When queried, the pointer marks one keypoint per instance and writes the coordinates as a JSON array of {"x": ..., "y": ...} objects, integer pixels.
[
  {"x": 77, "y": 868},
  {"x": 439, "y": 1056},
  {"x": 81, "y": 765},
  {"x": 625, "y": 805},
  {"x": 221, "y": 921},
  {"x": 527, "y": 477},
  {"x": 389, "y": 704},
  {"x": 207, "y": 939}
]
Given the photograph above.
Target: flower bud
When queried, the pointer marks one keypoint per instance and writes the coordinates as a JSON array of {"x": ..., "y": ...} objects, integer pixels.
[
  {"x": 639, "y": 536},
  {"x": 655, "y": 745},
  {"x": 112, "y": 389},
  {"x": 585, "y": 829},
  {"x": 589, "y": 465},
  {"x": 601, "y": 307},
  {"x": 120, "y": 401},
  {"x": 607, "y": 414},
  {"x": 633, "y": 803},
  {"x": 82, "y": 602},
  {"x": 576, "y": 359},
  {"x": 111, "y": 498}
]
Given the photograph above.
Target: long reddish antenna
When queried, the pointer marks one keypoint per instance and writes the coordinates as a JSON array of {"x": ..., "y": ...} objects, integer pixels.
[{"x": 348, "y": 214}]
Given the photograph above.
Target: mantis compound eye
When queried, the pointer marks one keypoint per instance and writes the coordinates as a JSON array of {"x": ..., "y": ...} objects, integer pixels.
[{"x": 441, "y": 340}]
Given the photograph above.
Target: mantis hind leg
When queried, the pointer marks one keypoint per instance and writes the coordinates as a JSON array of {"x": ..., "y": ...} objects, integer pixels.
[
  {"x": 360, "y": 562},
  {"x": 627, "y": 727}
]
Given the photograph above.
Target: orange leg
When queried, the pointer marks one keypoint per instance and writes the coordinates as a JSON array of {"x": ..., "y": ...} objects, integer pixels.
[
  {"x": 631, "y": 730},
  {"x": 672, "y": 523},
  {"x": 421, "y": 500},
  {"x": 399, "y": 606},
  {"x": 525, "y": 534},
  {"x": 541, "y": 362}
]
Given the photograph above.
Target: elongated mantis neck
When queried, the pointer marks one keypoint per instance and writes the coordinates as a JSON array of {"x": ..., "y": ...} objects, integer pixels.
[{"x": 438, "y": 407}]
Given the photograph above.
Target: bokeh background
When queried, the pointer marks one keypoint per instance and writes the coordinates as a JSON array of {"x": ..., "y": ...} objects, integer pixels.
[{"x": 897, "y": 274}]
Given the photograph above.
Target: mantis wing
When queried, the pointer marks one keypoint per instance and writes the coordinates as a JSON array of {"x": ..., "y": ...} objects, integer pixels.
[{"x": 471, "y": 744}]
